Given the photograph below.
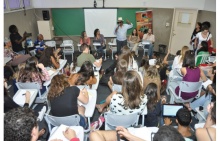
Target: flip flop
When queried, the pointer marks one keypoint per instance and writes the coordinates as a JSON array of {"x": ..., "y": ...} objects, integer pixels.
[
  {"x": 163, "y": 98},
  {"x": 42, "y": 132}
]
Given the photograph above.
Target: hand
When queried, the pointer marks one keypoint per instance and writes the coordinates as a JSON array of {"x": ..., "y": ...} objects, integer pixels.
[
  {"x": 69, "y": 133},
  {"x": 123, "y": 132},
  {"x": 168, "y": 51},
  {"x": 40, "y": 65},
  {"x": 209, "y": 107},
  {"x": 127, "y": 21},
  {"x": 167, "y": 121},
  {"x": 25, "y": 35},
  {"x": 56, "y": 52}
]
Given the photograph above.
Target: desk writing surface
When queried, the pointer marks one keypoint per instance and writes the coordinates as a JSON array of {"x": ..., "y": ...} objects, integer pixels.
[{"x": 19, "y": 98}]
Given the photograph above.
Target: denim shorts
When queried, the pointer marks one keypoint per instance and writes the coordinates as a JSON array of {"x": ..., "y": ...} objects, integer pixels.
[{"x": 82, "y": 121}]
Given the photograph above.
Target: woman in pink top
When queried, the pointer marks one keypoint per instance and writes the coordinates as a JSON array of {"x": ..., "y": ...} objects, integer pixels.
[{"x": 34, "y": 72}]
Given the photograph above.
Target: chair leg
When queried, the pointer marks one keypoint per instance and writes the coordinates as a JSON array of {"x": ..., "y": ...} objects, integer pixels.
[{"x": 112, "y": 54}]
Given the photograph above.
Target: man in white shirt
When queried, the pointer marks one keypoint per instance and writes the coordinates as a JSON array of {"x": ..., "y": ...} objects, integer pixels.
[
  {"x": 149, "y": 37},
  {"x": 121, "y": 33}
]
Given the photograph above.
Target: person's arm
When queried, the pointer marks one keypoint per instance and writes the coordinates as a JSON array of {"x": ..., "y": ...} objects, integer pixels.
[
  {"x": 70, "y": 134},
  {"x": 22, "y": 39},
  {"x": 165, "y": 58},
  {"x": 153, "y": 39},
  {"x": 88, "y": 40},
  {"x": 196, "y": 40},
  {"x": 144, "y": 36},
  {"x": 45, "y": 75},
  {"x": 129, "y": 38},
  {"x": 130, "y": 25},
  {"x": 211, "y": 42},
  {"x": 183, "y": 71},
  {"x": 98, "y": 63},
  {"x": 55, "y": 62},
  {"x": 209, "y": 121},
  {"x": 202, "y": 75},
  {"x": 81, "y": 41},
  {"x": 83, "y": 96},
  {"x": 138, "y": 40},
  {"x": 116, "y": 29},
  {"x": 123, "y": 132}
]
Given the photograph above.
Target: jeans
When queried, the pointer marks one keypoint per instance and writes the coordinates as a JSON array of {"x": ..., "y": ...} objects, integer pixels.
[
  {"x": 202, "y": 101},
  {"x": 150, "y": 50},
  {"x": 120, "y": 44},
  {"x": 101, "y": 49}
]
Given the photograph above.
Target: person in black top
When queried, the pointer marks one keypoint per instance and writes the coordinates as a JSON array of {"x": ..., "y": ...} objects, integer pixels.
[
  {"x": 16, "y": 39},
  {"x": 10, "y": 104},
  {"x": 195, "y": 31}
]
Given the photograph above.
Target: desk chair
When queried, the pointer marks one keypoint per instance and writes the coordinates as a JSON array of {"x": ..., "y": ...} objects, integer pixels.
[
  {"x": 68, "y": 48},
  {"x": 186, "y": 87},
  {"x": 113, "y": 120},
  {"x": 51, "y": 44},
  {"x": 113, "y": 46},
  {"x": 95, "y": 47}
]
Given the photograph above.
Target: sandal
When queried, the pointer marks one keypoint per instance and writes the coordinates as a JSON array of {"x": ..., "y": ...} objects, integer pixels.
[{"x": 41, "y": 132}]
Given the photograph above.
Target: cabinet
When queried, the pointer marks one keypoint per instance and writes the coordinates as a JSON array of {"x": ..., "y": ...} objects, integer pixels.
[{"x": 45, "y": 28}]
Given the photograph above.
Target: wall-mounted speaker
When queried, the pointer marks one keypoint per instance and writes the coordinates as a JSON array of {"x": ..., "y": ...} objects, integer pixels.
[{"x": 46, "y": 15}]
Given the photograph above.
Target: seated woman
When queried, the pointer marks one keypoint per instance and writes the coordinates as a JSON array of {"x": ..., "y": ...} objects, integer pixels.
[
  {"x": 208, "y": 132},
  {"x": 190, "y": 73},
  {"x": 131, "y": 100},
  {"x": 63, "y": 99},
  {"x": 117, "y": 78},
  {"x": 134, "y": 40},
  {"x": 152, "y": 76},
  {"x": 202, "y": 51},
  {"x": 31, "y": 73},
  {"x": 153, "y": 106},
  {"x": 84, "y": 39},
  {"x": 99, "y": 38},
  {"x": 50, "y": 58},
  {"x": 178, "y": 60},
  {"x": 16, "y": 59},
  {"x": 144, "y": 65},
  {"x": 85, "y": 75}
]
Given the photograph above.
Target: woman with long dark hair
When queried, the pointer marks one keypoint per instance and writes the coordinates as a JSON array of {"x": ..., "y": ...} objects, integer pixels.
[
  {"x": 50, "y": 58},
  {"x": 134, "y": 40},
  {"x": 99, "y": 38},
  {"x": 84, "y": 39}
]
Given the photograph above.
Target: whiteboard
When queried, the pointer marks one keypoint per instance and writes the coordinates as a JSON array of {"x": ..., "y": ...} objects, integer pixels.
[{"x": 103, "y": 19}]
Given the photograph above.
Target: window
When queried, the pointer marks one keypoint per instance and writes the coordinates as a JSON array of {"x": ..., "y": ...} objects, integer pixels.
[{"x": 14, "y": 4}]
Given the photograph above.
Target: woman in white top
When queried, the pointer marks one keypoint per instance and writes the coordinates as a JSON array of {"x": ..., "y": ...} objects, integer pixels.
[
  {"x": 133, "y": 41},
  {"x": 178, "y": 60},
  {"x": 204, "y": 35}
]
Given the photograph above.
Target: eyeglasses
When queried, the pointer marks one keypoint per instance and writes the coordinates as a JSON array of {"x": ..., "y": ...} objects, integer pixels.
[{"x": 120, "y": 22}]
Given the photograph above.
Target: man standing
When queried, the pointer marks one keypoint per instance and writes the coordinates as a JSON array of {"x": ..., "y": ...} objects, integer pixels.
[
  {"x": 149, "y": 37},
  {"x": 121, "y": 32}
]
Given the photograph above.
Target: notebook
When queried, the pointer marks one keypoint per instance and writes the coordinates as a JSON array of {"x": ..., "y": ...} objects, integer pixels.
[
  {"x": 58, "y": 133},
  {"x": 170, "y": 110}
]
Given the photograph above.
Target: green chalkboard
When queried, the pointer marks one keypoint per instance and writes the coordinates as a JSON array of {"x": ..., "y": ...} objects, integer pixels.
[{"x": 70, "y": 21}]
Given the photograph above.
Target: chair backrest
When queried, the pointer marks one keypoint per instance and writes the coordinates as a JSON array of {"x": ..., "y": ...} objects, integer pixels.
[
  {"x": 113, "y": 40},
  {"x": 72, "y": 120},
  {"x": 50, "y": 43},
  {"x": 67, "y": 42},
  {"x": 189, "y": 87},
  {"x": 29, "y": 85},
  {"x": 113, "y": 120},
  {"x": 201, "y": 59},
  {"x": 117, "y": 88}
]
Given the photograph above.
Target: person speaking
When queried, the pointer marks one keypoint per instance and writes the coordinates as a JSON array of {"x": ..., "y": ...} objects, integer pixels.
[{"x": 121, "y": 32}]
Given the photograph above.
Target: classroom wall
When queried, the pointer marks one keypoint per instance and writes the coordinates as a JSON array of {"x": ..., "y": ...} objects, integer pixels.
[
  {"x": 208, "y": 5},
  {"x": 24, "y": 23}
]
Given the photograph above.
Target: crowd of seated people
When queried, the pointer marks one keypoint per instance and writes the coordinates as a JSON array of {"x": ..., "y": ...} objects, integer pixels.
[{"x": 141, "y": 88}]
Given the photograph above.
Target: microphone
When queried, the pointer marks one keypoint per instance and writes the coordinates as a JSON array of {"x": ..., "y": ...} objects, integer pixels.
[{"x": 95, "y": 4}]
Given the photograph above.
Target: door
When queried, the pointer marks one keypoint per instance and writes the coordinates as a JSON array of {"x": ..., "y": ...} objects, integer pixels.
[{"x": 184, "y": 21}]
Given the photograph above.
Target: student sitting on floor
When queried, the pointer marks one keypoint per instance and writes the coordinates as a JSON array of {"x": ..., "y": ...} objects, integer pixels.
[{"x": 130, "y": 100}]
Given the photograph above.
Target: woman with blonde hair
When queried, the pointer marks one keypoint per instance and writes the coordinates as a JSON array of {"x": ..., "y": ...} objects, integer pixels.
[
  {"x": 152, "y": 76},
  {"x": 178, "y": 60},
  {"x": 63, "y": 99},
  {"x": 132, "y": 98}
]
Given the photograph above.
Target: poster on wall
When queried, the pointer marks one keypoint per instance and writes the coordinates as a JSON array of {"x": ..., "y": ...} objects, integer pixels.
[{"x": 144, "y": 21}]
